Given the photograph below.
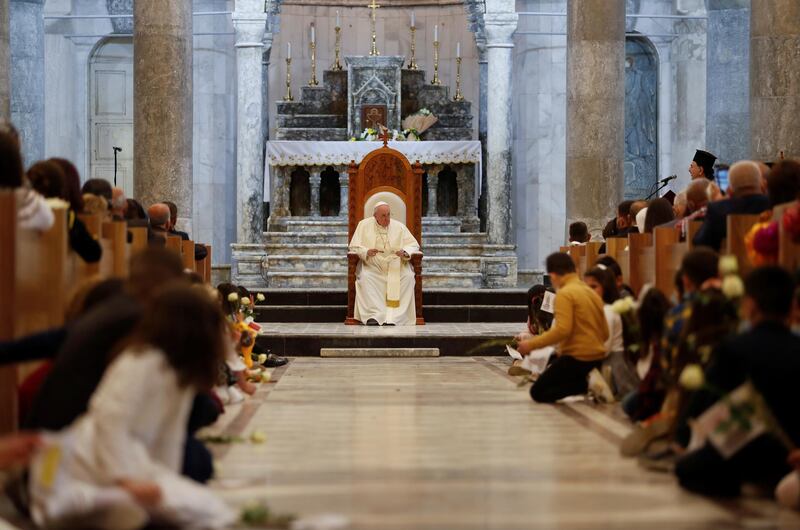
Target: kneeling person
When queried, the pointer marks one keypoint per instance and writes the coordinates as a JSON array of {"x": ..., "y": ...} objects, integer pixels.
[
  {"x": 384, "y": 278},
  {"x": 579, "y": 331}
]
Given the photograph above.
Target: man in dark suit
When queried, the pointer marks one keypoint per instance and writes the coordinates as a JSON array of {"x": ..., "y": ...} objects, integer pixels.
[
  {"x": 768, "y": 355},
  {"x": 200, "y": 251},
  {"x": 745, "y": 184}
]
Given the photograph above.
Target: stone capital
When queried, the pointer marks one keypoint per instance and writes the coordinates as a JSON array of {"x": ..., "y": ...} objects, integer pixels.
[
  {"x": 250, "y": 28},
  {"x": 500, "y": 28}
]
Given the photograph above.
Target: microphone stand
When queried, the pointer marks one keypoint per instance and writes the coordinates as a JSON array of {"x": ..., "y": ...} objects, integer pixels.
[
  {"x": 116, "y": 150},
  {"x": 661, "y": 187}
]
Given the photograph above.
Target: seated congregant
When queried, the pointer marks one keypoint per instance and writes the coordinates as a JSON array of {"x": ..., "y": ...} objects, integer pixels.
[
  {"x": 159, "y": 223},
  {"x": 32, "y": 209},
  {"x": 384, "y": 278},
  {"x": 745, "y": 185},
  {"x": 659, "y": 212},
  {"x": 579, "y": 331},
  {"x": 200, "y": 251},
  {"x": 579, "y": 233},
  {"x": 620, "y": 226}
]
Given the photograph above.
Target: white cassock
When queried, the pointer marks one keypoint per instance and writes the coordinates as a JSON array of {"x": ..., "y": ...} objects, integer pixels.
[{"x": 384, "y": 282}]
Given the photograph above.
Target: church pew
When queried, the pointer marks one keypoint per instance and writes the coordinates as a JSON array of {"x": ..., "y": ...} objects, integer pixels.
[
  {"x": 187, "y": 254},
  {"x": 788, "y": 251},
  {"x": 592, "y": 253},
  {"x": 207, "y": 265},
  {"x": 174, "y": 243},
  {"x": 664, "y": 240},
  {"x": 116, "y": 233},
  {"x": 138, "y": 239},
  {"x": 641, "y": 261},
  {"x": 8, "y": 374},
  {"x": 738, "y": 226},
  {"x": 694, "y": 227}
]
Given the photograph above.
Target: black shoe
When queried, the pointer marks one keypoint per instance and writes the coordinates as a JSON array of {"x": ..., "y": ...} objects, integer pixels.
[
  {"x": 388, "y": 324},
  {"x": 372, "y": 322},
  {"x": 274, "y": 361}
]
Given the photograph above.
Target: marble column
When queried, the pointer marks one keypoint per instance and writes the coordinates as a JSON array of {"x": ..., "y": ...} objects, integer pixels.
[
  {"x": 483, "y": 90},
  {"x": 728, "y": 68},
  {"x": 314, "y": 181},
  {"x": 500, "y": 29},
  {"x": 433, "y": 186},
  {"x": 344, "y": 191},
  {"x": 26, "y": 61},
  {"x": 162, "y": 92},
  {"x": 595, "y": 110},
  {"x": 5, "y": 63},
  {"x": 774, "y": 82},
  {"x": 250, "y": 23}
]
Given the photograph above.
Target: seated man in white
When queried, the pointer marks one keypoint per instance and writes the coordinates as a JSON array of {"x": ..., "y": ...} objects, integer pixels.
[{"x": 384, "y": 277}]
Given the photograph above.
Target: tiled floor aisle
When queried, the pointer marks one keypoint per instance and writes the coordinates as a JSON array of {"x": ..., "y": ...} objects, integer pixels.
[{"x": 451, "y": 443}]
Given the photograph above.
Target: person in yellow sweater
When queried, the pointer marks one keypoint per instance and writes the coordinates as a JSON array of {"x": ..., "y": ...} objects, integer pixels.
[{"x": 579, "y": 333}]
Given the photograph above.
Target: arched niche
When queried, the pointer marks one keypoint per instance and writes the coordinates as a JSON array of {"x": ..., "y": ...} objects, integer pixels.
[
  {"x": 299, "y": 193},
  {"x": 447, "y": 193},
  {"x": 641, "y": 117},
  {"x": 329, "y": 193}
]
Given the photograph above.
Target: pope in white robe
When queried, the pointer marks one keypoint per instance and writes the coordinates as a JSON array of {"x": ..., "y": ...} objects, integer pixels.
[{"x": 384, "y": 277}]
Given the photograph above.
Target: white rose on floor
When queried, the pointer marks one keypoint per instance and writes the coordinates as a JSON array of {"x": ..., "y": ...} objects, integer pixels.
[
  {"x": 260, "y": 297},
  {"x": 692, "y": 377},
  {"x": 233, "y": 297},
  {"x": 732, "y": 286}
]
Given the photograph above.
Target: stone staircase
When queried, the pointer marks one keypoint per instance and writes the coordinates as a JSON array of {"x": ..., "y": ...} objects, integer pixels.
[{"x": 311, "y": 253}]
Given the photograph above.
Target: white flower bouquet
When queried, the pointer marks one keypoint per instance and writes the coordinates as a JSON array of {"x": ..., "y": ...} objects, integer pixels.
[{"x": 420, "y": 121}]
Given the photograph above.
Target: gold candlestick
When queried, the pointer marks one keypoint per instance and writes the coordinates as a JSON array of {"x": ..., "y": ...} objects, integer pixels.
[
  {"x": 288, "y": 96},
  {"x": 313, "y": 80},
  {"x": 336, "y": 64},
  {"x": 458, "y": 96},
  {"x": 412, "y": 64},
  {"x": 373, "y": 6},
  {"x": 435, "y": 81}
]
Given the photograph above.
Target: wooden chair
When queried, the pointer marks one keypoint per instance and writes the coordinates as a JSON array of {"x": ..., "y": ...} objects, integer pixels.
[
  {"x": 385, "y": 174},
  {"x": 641, "y": 260},
  {"x": 738, "y": 226},
  {"x": 187, "y": 254}
]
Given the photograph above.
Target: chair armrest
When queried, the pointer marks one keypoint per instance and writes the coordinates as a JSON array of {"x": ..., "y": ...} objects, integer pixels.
[{"x": 352, "y": 258}]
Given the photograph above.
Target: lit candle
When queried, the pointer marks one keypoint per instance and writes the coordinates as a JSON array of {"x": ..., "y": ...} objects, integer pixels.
[
  {"x": 413, "y": 20},
  {"x": 313, "y": 39},
  {"x": 288, "y": 50},
  {"x": 338, "y": 22},
  {"x": 436, "y": 32},
  {"x": 458, "y": 49}
]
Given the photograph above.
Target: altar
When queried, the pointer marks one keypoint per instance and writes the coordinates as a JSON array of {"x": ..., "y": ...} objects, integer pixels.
[{"x": 309, "y": 179}]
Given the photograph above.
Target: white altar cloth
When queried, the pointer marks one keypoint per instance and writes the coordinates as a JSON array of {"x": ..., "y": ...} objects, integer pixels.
[{"x": 307, "y": 153}]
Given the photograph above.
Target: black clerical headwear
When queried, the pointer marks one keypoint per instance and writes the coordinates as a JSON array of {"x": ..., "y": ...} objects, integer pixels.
[{"x": 704, "y": 158}]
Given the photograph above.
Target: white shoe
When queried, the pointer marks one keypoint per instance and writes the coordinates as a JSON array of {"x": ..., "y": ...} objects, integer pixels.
[
  {"x": 598, "y": 387},
  {"x": 235, "y": 394}
]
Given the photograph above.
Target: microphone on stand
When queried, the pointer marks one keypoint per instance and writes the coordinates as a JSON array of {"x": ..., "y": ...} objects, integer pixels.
[
  {"x": 669, "y": 178},
  {"x": 661, "y": 185},
  {"x": 116, "y": 150}
]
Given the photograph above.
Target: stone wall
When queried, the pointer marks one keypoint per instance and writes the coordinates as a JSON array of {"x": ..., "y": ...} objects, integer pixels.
[{"x": 539, "y": 109}]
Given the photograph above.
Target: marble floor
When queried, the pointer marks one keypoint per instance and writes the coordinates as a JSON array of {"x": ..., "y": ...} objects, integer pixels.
[
  {"x": 449, "y": 329},
  {"x": 450, "y": 443}
]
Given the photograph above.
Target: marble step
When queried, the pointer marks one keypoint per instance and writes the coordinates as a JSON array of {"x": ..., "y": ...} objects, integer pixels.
[
  {"x": 450, "y": 225},
  {"x": 313, "y": 121},
  {"x": 333, "y": 263},
  {"x": 340, "y": 238},
  {"x": 378, "y": 352},
  {"x": 285, "y": 298},
  {"x": 311, "y": 134},
  {"x": 448, "y": 134},
  {"x": 431, "y": 312},
  {"x": 289, "y": 279},
  {"x": 447, "y": 249}
]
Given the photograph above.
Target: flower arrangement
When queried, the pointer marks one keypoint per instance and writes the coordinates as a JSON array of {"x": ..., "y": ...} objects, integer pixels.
[
  {"x": 372, "y": 135},
  {"x": 791, "y": 222},
  {"x": 420, "y": 121},
  {"x": 762, "y": 241}
]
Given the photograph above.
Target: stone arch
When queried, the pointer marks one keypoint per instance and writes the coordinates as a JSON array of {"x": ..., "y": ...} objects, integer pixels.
[
  {"x": 447, "y": 193},
  {"x": 299, "y": 193},
  {"x": 641, "y": 116},
  {"x": 329, "y": 193}
]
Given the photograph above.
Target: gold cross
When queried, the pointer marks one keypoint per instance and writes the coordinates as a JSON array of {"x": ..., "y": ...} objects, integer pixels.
[{"x": 373, "y": 6}]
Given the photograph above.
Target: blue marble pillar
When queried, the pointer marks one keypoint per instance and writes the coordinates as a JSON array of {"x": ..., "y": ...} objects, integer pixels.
[{"x": 27, "y": 75}]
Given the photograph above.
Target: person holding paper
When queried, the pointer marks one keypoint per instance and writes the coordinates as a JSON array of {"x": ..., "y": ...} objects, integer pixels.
[
  {"x": 579, "y": 330},
  {"x": 384, "y": 278}
]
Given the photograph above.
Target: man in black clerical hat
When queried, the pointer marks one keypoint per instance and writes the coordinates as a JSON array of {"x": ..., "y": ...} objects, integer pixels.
[{"x": 702, "y": 165}]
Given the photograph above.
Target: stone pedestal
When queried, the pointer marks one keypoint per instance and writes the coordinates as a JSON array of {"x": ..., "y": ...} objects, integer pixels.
[
  {"x": 433, "y": 186},
  {"x": 162, "y": 50},
  {"x": 5, "y": 62},
  {"x": 249, "y": 22},
  {"x": 595, "y": 110},
  {"x": 500, "y": 28},
  {"x": 774, "y": 82}
]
